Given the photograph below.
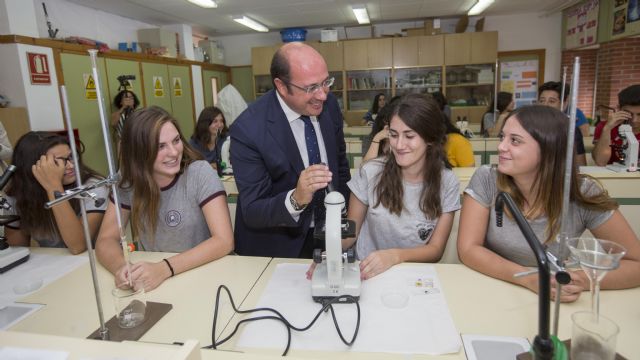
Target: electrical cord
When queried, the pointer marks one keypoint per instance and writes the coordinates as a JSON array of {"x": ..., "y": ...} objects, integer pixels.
[{"x": 327, "y": 305}]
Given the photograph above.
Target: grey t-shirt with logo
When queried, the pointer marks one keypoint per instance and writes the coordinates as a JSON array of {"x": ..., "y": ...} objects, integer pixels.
[
  {"x": 181, "y": 223},
  {"x": 384, "y": 230}
]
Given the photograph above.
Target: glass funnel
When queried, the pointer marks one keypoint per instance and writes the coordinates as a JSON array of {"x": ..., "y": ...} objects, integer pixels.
[{"x": 596, "y": 258}]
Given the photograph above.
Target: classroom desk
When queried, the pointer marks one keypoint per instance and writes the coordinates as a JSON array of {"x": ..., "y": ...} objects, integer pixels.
[
  {"x": 478, "y": 305},
  {"x": 71, "y": 306},
  {"x": 82, "y": 349},
  {"x": 481, "y": 305}
]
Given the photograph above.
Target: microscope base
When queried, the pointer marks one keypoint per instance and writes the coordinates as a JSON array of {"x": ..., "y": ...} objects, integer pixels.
[
  {"x": 321, "y": 291},
  {"x": 12, "y": 257}
]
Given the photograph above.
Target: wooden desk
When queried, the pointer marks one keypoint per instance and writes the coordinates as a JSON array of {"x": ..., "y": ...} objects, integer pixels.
[
  {"x": 96, "y": 349},
  {"x": 482, "y": 305},
  {"x": 71, "y": 307}
]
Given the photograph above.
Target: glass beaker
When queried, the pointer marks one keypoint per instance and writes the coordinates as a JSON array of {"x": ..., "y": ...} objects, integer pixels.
[{"x": 131, "y": 306}]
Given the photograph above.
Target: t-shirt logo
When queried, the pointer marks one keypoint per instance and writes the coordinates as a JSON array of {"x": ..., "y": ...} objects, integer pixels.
[
  {"x": 424, "y": 231},
  {"x": 173, "y": 218}
]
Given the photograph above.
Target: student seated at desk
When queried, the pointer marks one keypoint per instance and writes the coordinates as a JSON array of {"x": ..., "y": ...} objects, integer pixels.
[
  {"x": 505, "y": 105},
  {"x": 210, "y": 133},
  {"x": 607, "y": 140},
  {"x": 44, "y": 166},
  {"x": 403, "y": 204},
  {"x": 176, "y": 203},
  {"x": 531, "y": 169},
  {"x": 379, "y": 143}
]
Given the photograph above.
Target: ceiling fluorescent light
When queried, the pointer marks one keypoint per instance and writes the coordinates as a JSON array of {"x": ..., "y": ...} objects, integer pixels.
[
  {"x": 360, "y": 11},
  {"x": 479, "y": 7},
  {"x": 209, "y": 4},
  {"x": 250, "y": 23}
]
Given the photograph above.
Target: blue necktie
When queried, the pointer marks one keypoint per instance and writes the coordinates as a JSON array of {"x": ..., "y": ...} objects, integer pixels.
[{"x": 313, "y": 151}]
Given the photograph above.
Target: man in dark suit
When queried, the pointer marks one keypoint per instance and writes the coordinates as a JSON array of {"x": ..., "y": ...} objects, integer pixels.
[{"x": 285, "y": 149}]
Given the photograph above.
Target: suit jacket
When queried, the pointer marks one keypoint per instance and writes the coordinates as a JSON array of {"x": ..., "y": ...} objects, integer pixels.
[{"x": 266, "y": 165}]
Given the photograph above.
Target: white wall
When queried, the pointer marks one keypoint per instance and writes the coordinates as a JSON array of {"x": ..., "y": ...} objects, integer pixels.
[
  {"x": 16, "y": 18},
  {"x": 42, "y": 101},
  {"x": 531, "y": 31},
  {"x": 77, "y": 20}
]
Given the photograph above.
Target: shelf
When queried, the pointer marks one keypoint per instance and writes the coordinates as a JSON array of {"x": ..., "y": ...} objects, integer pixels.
[{"x": 468, "y": 85}]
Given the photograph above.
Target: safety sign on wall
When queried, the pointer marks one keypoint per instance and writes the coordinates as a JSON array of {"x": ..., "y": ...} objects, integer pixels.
[
  {"x": 158, "y": 88},
  {"x": 89, "y": 87},
  {"x": 177, "y": 87},
  {"x": 39, "y": 69}
]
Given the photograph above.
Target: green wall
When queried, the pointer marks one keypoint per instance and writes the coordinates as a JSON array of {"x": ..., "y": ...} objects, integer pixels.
[
  {"x": 85, "y": 115},
  {"x": 242, "y": 80},
  {"x": 182, "y": 100}
]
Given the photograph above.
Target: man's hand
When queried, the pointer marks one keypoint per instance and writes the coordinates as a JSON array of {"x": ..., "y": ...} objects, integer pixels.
[{"x": 311, "y": 179}]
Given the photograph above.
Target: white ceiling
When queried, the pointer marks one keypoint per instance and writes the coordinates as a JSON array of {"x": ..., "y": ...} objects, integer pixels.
[{"x": 280, "y": 14}]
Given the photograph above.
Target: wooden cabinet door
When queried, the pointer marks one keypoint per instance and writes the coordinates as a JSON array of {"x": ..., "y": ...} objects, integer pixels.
[
  {"x": 484, "y": 47},
  {"x": 261, "y": 59},
  {"x": 333, "y": 54},
  {"x": 380, "y": 53},
  {"x": 457, "y": 49},
  {"x": 405, "y": 51},
  {"x": 430, "y": 50},
  {"x": 355, "y": 55}
]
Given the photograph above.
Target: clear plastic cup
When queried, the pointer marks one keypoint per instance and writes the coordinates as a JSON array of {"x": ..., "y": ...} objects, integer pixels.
[{"x": 593, "y": 337}]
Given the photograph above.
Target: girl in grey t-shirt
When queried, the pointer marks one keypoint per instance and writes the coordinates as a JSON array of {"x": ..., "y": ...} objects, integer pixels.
[
  {"x": 404, "y": 204},
  {"x": 531, "y": 169},
  {"x": 175, "y": 203}
]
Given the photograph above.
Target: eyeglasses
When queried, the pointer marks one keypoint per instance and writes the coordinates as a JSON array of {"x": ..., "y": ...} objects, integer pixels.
[
  {"x": 65, "y": 160},
  {"x": 312, "y": 89}
]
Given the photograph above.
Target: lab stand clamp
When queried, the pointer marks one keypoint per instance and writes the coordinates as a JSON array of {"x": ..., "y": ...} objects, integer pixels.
[{"x": 336, "y": 273}]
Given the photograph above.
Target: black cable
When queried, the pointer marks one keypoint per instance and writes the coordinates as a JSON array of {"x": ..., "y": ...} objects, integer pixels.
[{"x": 327, "y": 305}]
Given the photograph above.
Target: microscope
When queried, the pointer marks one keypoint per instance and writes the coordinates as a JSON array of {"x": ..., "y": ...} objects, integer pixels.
[
  {"x": 10, "y": 256},
  {"x": 628, "y": 152},
  {"x": 336, "y": 273}
]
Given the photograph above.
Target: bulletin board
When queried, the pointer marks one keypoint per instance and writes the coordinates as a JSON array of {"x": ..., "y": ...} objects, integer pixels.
[{"x": 521, "y": 73}]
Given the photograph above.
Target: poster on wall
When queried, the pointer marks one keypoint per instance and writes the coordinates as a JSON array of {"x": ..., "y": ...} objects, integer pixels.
[
  {"x": 520, "y": 78},
  {"x": 626, "y": 18},
  {"x": 582, "y": 24},
  {"x": 633, "y": 11},
  {"x": 39, "y": 69}
]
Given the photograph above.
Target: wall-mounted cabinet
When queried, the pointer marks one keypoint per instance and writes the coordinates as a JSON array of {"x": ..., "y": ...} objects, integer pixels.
[
  {"x": 338, "y": 87},
  {"x": 363, "y": 85},
  {"x": 261, "y": 59},
  {"x": 470, "y": 48},
  {"x": 418, "y": 51},
  {"x": 460, "y": 65},
  {"x": 368, "y": 54},
  {"x": 418, "y": 80},
  {"x": 469, "y": 89},
  {"x": 332, "y": 52}
]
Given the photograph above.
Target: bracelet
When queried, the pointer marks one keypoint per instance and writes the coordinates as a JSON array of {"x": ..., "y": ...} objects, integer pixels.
[
  {"x": 170, "y": 267},
  {"x": 375, "y": 142}
]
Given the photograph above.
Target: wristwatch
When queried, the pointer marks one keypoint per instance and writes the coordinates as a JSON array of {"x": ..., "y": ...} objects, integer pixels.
[{"x": 294, "y": 203}]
